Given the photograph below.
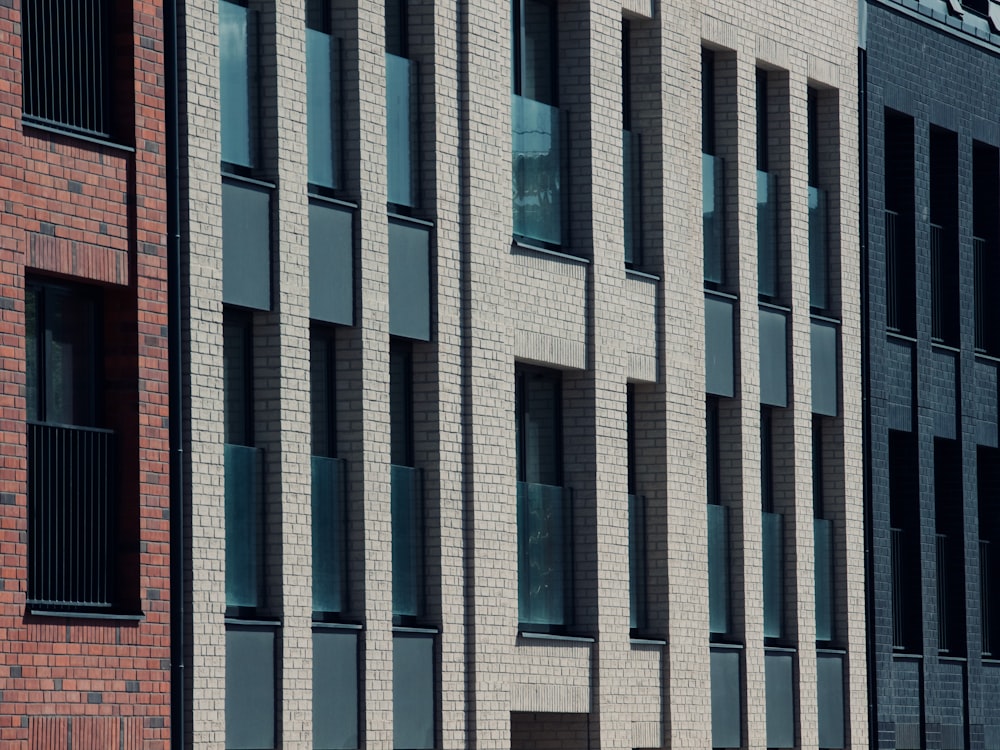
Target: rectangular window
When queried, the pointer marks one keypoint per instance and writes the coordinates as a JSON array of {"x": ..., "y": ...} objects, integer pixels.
[
  {"x": 988, "y": 484},
  {"x": 767, "y": 202},
  {"x": 900, "y": 289},
  {"x": 67, "y": 54},
  {"x": 985, "y": 197},
  {"x": 72, "y": 466},
  {"x": 322, "y": 96},
  {"x": 636, "y": 524},
  {"x": 822, "y": 542},
  {"x": 712, "y": 214},
  {"x": 238, "y": 105},
  {"x": 950, "y": 538},
  {"x": 944, "y": 236},
  {"x": 718, "y": 532},
  {"x": 819, "y": 244},
  {"x": 543, "y": 505},
  {"x": 402, "y": 132},
  {"x": 773, "y": 540},
  {"x": 329, "y": 482},
  {"x": 407, "y": 506},
  {"x": 904, "y": 522},
  {"x": 243, "y": 468},
  {"x": 631, "y": 159},
  {"x": 538, "y": 127}
]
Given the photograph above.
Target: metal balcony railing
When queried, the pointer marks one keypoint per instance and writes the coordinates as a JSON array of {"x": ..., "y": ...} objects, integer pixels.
[
  {"x": 67, "y": 52},
  {"x": 72, "y": 516},
  {"x": 892, "y": 271}
]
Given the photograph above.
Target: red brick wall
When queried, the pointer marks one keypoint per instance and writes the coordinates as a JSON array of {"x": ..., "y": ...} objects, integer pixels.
[{"x": 95, "y": 214}]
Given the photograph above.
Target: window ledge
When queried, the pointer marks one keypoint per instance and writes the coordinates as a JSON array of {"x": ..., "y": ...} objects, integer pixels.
[
  {"x": 721, "y": 646},
  {"x": 530, "y": 249},
  {"x": 31, "y": 124},
  {"x": 831, "y": 651},
  {"x": 404, "y": 219},
  {"x": 819, "y": 318},
  {"x": 532, "y": 636},
  {"x": 717, "y": 294},
  {"x": 900, "y": 336},
  {"x": 941, "y": 346},
  {"x": 330, "y": 200},
  {"x": 36, "y": 611},
  {"x": 410, "y": 629},
  {"x": 631, "y": 273},
  {"x": 229, "y": 176},
  {"x": 774, "y": 307},
  {"x": 320, "y": 624},
  {"x": 781, "y": 649},
  {"x": 639, "y": 641}
]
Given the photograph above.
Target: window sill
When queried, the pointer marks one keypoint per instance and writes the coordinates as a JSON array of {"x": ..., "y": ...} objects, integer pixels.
[
  {"x": 78, "y": 614},
  {"x": 413, "y": 629},
  {"x": 29, "y": 123},
  {"x": 640, "y": 641},
  {"x": 631, "y": 273},
  {"x": 529, "y": 635},
  {"x": 252, "y": 623},
  {"x": 320, "y": 197},
  {"x": 529, "y": 249},
  {"x": 231, "y": 176}
]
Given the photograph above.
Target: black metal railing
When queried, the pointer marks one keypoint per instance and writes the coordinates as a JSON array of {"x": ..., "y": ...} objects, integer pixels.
[
  {"x": 898, "y": 635},
  {"x": 72, "y": 516},
  {"x": 66, "y": 52},
  {"x": 942, "y": 590},
  {"x": 892, "y": 271},
  {"x": 937, "y": 284},
  {"x": 979, "y": 289},
  {"x": 984, "y": 595}
]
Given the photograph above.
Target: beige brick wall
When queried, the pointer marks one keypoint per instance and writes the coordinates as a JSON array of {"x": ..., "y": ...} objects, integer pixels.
[{"x": 494, "y": 305}]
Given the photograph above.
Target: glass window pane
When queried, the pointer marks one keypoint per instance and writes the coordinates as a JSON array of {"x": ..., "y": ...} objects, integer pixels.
[
  {"x": 70, "y": 358},
  {"x": 236, "y": 374},
  {"x": 234, "y": 83},
  {"x": 328, "y": 538},
  {"x": 407, "y": 548},
  {"x": 537, "y": 154},
  {"x": 33, "y": 389},
  {"x": 718, "y": 569},
  {"x": 400, "y": 123},
  {"x": 542, "y": 429},
  {"x": 773, "y": 575},
  {"x": 321, "y": 89},
  {"x": 401, "y": 404},
  {"x": 538, "y": 51},
  {"x": 243, "y": 507},
  {"x": 544, "y": 555},
  {"x": 322, "y": 395}
]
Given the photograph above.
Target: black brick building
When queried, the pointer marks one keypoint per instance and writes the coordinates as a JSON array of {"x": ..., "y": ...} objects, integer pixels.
[{"x": 930, "y": 76}]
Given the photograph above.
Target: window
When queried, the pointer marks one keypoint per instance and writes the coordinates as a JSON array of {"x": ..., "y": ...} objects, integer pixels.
[
  {"x": 900, "y": 259},
  {"x": 238, "y": 103},
  {"x": 538, "y": 129},
  {"x": 771, "y": 527},
  {"x": 767, "y": 203},
  {"x": 718, "y": 531},
  {"x": 945, "y": 312},
  {"x": 822, "y": 541},
  {"x": 544, "y": 519},
  {"x": 243, "y": 468},
  {"x": 322, "y": 96},
  {"x": 67, "y": 56},
  {"x": 329, "y": 477},
  {"x": 72, "y": 466},
  {"x": 636, "y": 524},
  {"x": 819, "y": 246},
  {"x": 631, "y": 159},
  {"x": 713, "y": 235},
  {"x": 407, "y": 502},
  {"x": 985, "y": 196},
  {"x": 402, "y": 132}
]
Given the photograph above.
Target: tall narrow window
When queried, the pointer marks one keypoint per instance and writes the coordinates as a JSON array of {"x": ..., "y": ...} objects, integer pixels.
[
  {"x": 322, "y": 95},
  {"x": 67, "y": 54},
  {"x": 772, "y": 533},
  {"x": 238, "y": 84},
  {"x": 950, "y": 546},
  {"x": 72, "y": 468},
  {"x": 636, "y": 524},
  {"x": 631, "y": 158},
  {"x": 329, "y": 540},
  {"x": 944, "y": 237},
  {"x": 538, "y": 143},
  {"x": 718, "y": 531},
  {"x": 407, "y": 512},
  {"x": 401, "y": 108},
  {"x": 900, "y": 284},
  {"x": 985, "y": 197},
  {"x": 822, "y": 541},
  {"x": 544, "y": 522},
  {"x": 712, "y": 215},
  {"x": 904, "y": 521},
  {"x": 243, "y": 466},
  {"x": 988, "y": 483},
  {"x": 767, "y": 204},
  {"x": 819, "y": 249}
]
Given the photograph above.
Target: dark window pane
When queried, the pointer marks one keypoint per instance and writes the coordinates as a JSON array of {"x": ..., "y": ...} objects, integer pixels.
[
  {"x": 322, "y": 395},
  {"x": 539, "y": 428},
  {"x": 401, "y": 403},
  {"x": 33, "y": 389},
  {"x": 237, "y": 380},
  {"x": 235, "y": 80}
]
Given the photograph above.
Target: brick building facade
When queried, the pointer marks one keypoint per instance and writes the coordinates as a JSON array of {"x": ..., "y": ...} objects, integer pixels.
[
  {"x": 84, "y": 542},
  {"x": 491, "y": 441},
  {"x": 932, "y": 177}
]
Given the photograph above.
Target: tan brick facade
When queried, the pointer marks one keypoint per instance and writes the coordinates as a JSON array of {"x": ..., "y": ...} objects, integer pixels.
[{"x": 496, "y": 304}]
